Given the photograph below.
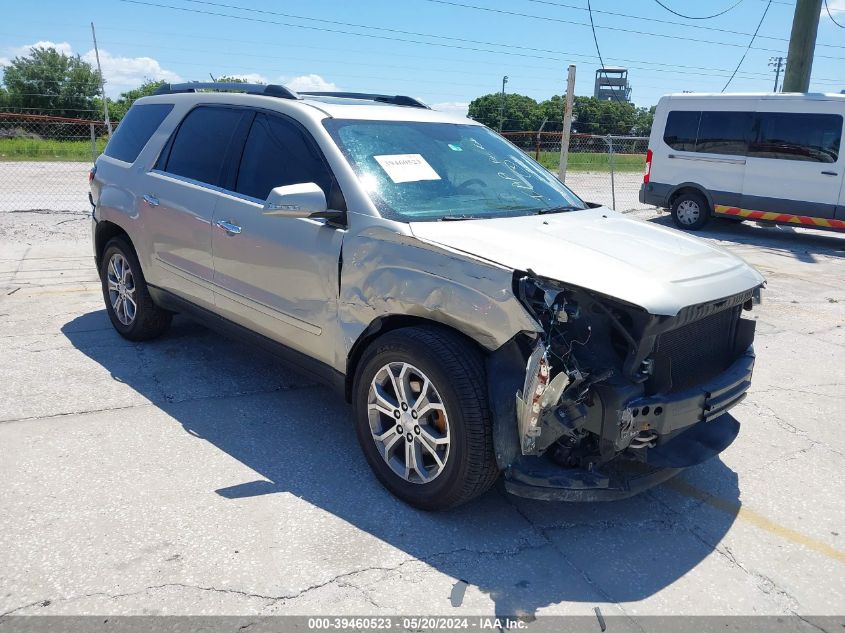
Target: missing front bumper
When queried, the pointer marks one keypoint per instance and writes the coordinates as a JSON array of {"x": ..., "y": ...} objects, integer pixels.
[
  {"x": 538, "y": 478},
  {"x": 692, "y": 426}
]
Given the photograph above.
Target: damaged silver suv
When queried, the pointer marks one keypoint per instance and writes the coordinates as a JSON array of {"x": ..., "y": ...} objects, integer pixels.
[{"x": 480, "y": 317}]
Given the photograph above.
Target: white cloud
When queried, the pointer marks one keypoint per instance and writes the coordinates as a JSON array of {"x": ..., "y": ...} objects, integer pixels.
[
  {"x": 458, "y": 108},
  {"x": 121, "y": 73},
  {"x": 310, "y": 82},
  {"x": 125, "y": 73},
  {"x": 23, "y": 51},
  {"x": 62, "y": 47},
  {"x": 835, "y": 6}
]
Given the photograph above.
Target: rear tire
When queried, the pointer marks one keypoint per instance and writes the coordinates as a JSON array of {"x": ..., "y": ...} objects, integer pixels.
[
  {"x": 453, "y": 441},
  {"x": 128, "y": 302},
  {"x": 690, "y": 211}
]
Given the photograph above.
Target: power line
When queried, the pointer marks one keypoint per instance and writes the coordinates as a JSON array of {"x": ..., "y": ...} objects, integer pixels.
[
  {"x": 742, "y": 59},
  {"x": 700, "y": 17},
  {"x": 654, "y": 20},
  {"x": 598, "y": 51},
  {"x": 830, "y": 15},
  {"x": 590, "y": 24}
]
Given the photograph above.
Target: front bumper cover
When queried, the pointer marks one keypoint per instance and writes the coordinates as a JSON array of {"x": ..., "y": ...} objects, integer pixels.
[{"x": 695, "y": 427}]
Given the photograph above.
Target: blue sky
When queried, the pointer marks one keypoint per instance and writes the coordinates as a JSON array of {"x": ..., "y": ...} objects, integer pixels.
[{"x": 454, "y": 54}]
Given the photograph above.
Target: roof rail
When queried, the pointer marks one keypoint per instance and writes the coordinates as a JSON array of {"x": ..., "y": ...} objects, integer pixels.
[
  {"x": 270, "y": 90},
  {"x": 401, "y": 100}
]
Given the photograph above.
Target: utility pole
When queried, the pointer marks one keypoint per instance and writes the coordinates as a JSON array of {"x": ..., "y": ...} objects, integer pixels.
[
  {"x": 777, "y": 64},
  {"x": 102, "y": 81},
  {"x": 502, "y": 105},
  {"x": 802, "y": 44},
  {"x": 567, "y": 123}
]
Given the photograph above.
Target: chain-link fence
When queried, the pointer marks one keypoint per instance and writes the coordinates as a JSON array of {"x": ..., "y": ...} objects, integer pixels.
[
  {"x": 44, "y": 161},
  {"x": 603, "y": 169}
]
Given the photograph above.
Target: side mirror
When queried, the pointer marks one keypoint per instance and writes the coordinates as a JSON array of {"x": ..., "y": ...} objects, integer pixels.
[{"x": 303, "y": 200}]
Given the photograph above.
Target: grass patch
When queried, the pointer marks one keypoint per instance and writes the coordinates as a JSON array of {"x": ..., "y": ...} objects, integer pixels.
[
  {"x": 34, "y": 149},
  {"x": 588, "y": 161}
]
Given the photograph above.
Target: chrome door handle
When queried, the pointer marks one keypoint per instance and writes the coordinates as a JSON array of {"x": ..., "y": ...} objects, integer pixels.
[
  {"x": 830, "y": 173},
  {"x": 231, "y": 229},
  {"x": 151, "y": 200}
]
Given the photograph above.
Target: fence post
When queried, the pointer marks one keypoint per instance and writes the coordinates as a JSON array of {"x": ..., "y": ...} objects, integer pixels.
[
  {"x": 609, "y": 140},
  {"x": 567, "y": 124},
  {"x": 93, "y": 144}
]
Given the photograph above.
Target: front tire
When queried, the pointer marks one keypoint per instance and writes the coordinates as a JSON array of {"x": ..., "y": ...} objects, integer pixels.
[
  {"x": 128, "y": 302},
  {"x": 690, "y": 211},
  {"x": 422, "y": 418}
]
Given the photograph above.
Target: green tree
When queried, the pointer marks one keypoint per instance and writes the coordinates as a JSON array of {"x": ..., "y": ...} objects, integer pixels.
[
  {"x": 119, "y": 107},
  {"x": 228, "y": 79},
  {"x": 522, "y": 114},
  {"x": 49, "y": 82}
]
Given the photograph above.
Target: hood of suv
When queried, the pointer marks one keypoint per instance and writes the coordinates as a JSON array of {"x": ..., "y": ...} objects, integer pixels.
[{"x": 657, "y": 268}]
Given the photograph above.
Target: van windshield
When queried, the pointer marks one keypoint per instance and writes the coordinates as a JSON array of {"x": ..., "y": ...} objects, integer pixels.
[{"x": 416, "y": 171}]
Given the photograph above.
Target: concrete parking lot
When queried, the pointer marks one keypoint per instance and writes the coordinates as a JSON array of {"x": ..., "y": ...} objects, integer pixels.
[{"x": 191, "y": 475}]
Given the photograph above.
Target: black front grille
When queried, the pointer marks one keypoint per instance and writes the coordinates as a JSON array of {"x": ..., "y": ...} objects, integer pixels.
[{"x": 699, "y": 351}]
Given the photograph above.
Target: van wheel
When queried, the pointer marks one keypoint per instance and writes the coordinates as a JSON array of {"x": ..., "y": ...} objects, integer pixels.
[
  {"x": 690, "y": 211},
  {"x": 128, "y": 302},
  {"x": 422, "y": 418}
]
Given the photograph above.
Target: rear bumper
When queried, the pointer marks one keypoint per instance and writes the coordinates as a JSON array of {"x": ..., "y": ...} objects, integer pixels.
[
  {"x": 693, "y": 426},
  {"x": 655, "y": 193}
]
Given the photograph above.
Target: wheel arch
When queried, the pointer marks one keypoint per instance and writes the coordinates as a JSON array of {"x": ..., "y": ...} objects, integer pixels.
[
  {"x": 104, "y": 232},
  {"x": 387, "y": 323},
  {"x": 690, "y": 187}
]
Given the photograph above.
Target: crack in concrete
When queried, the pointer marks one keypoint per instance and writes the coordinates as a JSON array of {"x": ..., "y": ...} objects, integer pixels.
[
  {"x": 158, "y": 404},
  {"x": 782, "y": 598},
  {"x": 541, "y": 531}
]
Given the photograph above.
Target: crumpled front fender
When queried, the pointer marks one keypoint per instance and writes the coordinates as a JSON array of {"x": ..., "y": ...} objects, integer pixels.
[{"x": 386, "y": 273}]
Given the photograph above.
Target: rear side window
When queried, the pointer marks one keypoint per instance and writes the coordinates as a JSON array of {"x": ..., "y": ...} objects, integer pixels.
[
  {"x": 681, "y": 130},
  {"x": 201, "y": 143},
  {"x": 724, "y": 133},
  {"x": 278, "y": 153},
  {"x": 135, "y": 130},
  {"x": 796, "y": 136}
]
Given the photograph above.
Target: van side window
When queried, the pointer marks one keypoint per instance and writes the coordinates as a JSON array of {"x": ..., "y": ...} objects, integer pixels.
[
  {"x": 201, "y": 142},
  {"x": 681, "y": 130},
  {"x": 277, "y": 153},
  {"x": 136, "y": 128},
  {"x": 797, "y": 136},
  {"x": 724, "y": 133}
]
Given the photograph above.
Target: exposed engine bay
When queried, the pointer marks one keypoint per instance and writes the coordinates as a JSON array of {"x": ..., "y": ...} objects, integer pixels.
[{"x": 608, "y": 381}]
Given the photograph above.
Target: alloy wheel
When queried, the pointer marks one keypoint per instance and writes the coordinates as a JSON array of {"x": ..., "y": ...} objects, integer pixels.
[
  {"x": 121, "y": 287},
  {"x": 408, "y": 422}
]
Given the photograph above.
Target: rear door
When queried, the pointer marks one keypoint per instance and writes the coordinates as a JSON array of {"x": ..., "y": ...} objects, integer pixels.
[
  {"x": 179, "y": 196},
  {"x": 277, "y": 275},
  {"x": 795, "y": 163}
]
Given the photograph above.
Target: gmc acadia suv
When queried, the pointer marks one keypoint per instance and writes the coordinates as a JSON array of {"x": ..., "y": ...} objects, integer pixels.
[{"x": 479, "y": 316}]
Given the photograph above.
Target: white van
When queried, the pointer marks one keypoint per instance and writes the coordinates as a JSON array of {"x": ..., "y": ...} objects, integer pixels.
[{"x": 769, "y": 157}]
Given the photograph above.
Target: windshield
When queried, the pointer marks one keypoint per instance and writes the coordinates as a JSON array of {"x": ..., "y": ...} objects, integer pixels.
[{"x": 444, "y": 171}]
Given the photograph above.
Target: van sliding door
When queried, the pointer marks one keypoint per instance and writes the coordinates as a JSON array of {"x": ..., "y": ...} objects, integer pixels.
[{"x": 795, "y": 164}]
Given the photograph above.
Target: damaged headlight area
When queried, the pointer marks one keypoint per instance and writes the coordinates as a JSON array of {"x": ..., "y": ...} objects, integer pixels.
[
  {"x": 584, "y": 343},
  {"x": 606, "y": 380}
]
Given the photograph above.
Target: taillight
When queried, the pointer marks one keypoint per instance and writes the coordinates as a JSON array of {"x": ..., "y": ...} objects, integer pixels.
[
  {"x": 91, "y": 173},
  {"x": 647, "y": 173}
]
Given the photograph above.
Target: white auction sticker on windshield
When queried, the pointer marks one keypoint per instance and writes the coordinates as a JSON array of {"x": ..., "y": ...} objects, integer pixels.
[{"x": 406, "y": 167}]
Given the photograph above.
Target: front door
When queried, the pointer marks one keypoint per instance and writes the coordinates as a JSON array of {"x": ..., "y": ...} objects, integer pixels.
[{"x": 276, "y": 275}]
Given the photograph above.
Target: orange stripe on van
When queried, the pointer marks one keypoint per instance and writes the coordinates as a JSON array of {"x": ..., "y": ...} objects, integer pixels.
[{"x": 780, "y": 217}]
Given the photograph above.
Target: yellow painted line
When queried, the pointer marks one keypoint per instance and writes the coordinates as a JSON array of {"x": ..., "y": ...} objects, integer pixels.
[{"x": 756, "y": 519}]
